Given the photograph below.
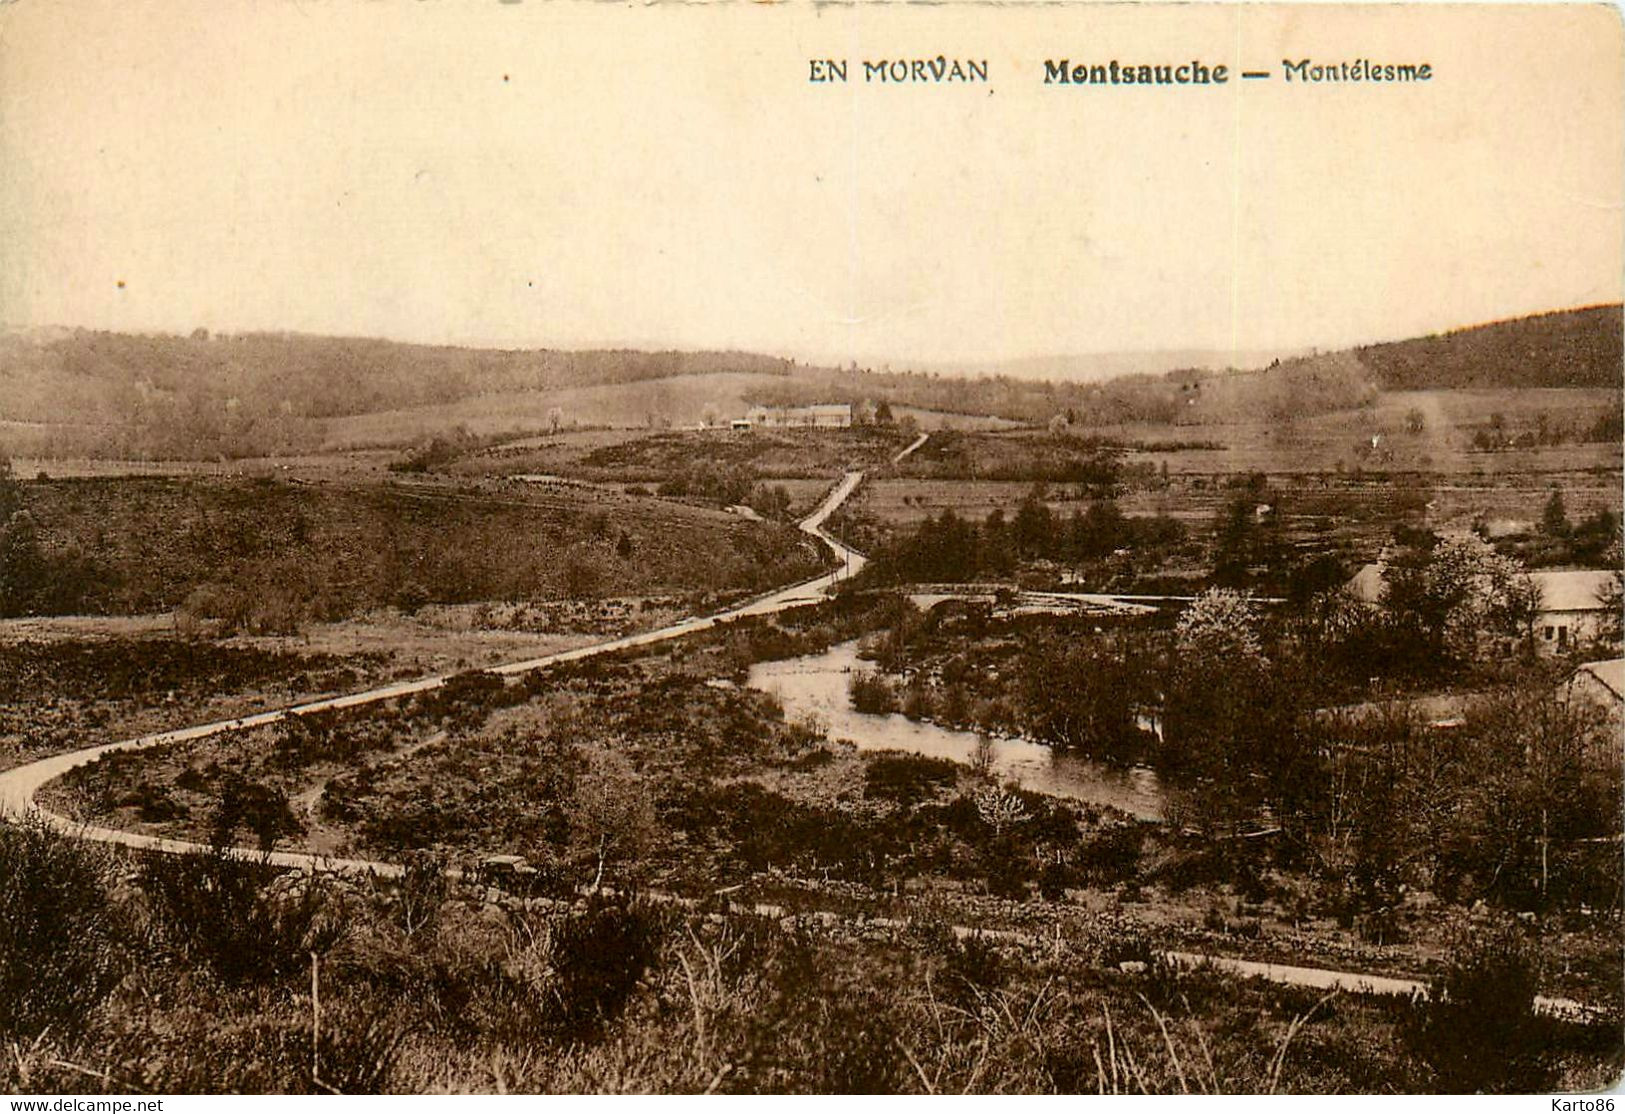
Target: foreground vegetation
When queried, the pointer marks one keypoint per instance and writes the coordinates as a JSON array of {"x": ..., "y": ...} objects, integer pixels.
[
  {"x": 205, "y": 974},
  {"x": 1362, "y": 839}
]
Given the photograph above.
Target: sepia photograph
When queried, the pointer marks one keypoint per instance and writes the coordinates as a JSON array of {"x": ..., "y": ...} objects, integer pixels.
[{"x": 586, "y": 548}]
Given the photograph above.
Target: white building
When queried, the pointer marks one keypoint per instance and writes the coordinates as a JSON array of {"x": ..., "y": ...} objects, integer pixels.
[
  {"x": 820, "y": 416},
  {"x": 1573, "y": 611},
  {"x": 1573, "y": 608}
]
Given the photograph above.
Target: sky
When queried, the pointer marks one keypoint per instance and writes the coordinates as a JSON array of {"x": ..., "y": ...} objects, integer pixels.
[{"x": 665, "y": 175}]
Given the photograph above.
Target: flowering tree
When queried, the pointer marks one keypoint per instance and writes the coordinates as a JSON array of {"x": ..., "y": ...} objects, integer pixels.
[
  {"x": 1463, "y": 589},
  {"x": 1230, "y": 718},
  {"x": 1220, "y": 625}
]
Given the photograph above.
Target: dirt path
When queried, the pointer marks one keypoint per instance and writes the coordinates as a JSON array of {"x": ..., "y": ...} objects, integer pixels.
[
  {"x": 319, "y": 837},
  {"x": 19, "y": 786}
]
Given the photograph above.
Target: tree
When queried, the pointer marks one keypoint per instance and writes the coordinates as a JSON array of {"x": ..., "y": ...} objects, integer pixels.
[
  {"x": 1082, "y": 696},
  {"x": 1243, "y": 540},
  {"x": 997, "y": 549},
  {"x": 1544, "y": 782},
  {"x": 612, "y": 818},
  {"x": 11, "y": 492},
  {"x": 1416, "y": 422},
  {"x": 1233, "y": 721},
  {"x": 1460, "y": 590},
  {"x": 883, "y": 414},
  {"x": 1612, "y": 595},
  {"x": 555, "y": 416},
  {"x": 1034, "y": 525},
  {"x": 1097, "y": 531},
  {"x": 1554, "y": 520},
  {"x": 1220, "y": 625}
]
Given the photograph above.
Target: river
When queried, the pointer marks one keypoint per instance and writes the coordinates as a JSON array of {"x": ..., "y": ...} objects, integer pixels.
[{"x": 816, "y": 685}]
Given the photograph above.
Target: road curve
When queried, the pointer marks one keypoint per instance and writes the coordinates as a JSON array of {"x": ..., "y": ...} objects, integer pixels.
[{"x": 19, "y": 786}]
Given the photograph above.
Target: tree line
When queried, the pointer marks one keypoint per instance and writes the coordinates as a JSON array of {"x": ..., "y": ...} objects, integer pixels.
[{"x": 948, "y": 547}]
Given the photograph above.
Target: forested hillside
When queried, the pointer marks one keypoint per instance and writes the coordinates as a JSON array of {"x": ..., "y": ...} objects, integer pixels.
[
  {"x": 267, "y": 393},
  {"x": 77, "y": 392},
  {"x": 1576, "y": 348}
]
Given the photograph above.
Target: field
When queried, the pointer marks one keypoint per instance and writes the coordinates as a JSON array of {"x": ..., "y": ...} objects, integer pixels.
[
  {"x": 651, "y": 458},
  {"x": 64, "y": 690},
  {"x": 699, "y": 787},
  {"x": 677, "y": 401},
  {"x": 636, "y": 871},
  {"x": 1324, "y": 496},
  {"x": 329, "y": 551}
]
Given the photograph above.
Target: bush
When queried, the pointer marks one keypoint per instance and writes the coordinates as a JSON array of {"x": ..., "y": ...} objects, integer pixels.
[
  {"x": 60, "y": 933},
  {"x": 1478, "y": 1031},
  {"x": 907, "y": 779},
  {"x": 1111, "y": 857},
  {"x": 262, "y": 809},
  {"x": 222, "y": 912},
  {"x": 411, "y": 597},
  {"x": 973, "y": 969},
  {"x": 600, "y": 957},
  {"x": 871, "y": 694}
]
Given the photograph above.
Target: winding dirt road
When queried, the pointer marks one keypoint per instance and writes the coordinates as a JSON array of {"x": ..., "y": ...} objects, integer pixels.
[{"x": 19, "y": 786}]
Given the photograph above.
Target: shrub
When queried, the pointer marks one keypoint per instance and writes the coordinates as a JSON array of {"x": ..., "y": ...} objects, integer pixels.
[
  {"x": 411, "y": 596},
  {"x": 907, "y": 779},
  {"x": 599, "y": 958},
  {"x": 1111, "y": 857},
  {"x": 1478, "y": 1029},
  {"x": 871, "y": 694},
  {"x": 60, "y": 950},
  {"x": 220, "y": 911},
  {"x": 262, "y": 809},
  {"x": 973, "y": 969}
]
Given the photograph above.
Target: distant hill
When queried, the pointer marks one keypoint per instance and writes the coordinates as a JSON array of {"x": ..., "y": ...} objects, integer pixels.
[
  {"x": 70, "y": 391},
  {"x": 1574, "y": 348},
  {"x": 1094, "y": 367},
  {"x": 67, "y": 392}
]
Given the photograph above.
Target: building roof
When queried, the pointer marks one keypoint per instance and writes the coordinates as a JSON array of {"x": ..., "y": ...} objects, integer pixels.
[
  {"x": 1560, "y": 590},
  {"x": 831, "y": 408},
  {"x": 1572, "y": 589},
  {"x": 1367, "y": 584},
  {"x": 1610, "y": 674}
]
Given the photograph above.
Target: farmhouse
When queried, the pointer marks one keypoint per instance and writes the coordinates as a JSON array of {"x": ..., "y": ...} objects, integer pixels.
[
  {"x": 1601, "y": 683},
  {"x": 820, "y": 416},
  {"x": 1573, "y": 607}
]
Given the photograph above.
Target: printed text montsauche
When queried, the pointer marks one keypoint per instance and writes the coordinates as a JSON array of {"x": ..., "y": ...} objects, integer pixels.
[
  {"x": 1195, "y": 72},
  {"x": 944, "y": 70}
]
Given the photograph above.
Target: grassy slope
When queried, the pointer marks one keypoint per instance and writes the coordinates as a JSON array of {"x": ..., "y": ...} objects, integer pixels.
[
  {"x": 112, "y": 394},
  {"x": 338, "y": 549},
  {"x": 683, "y": 400},
  {"x": 104, "y": 394}
]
